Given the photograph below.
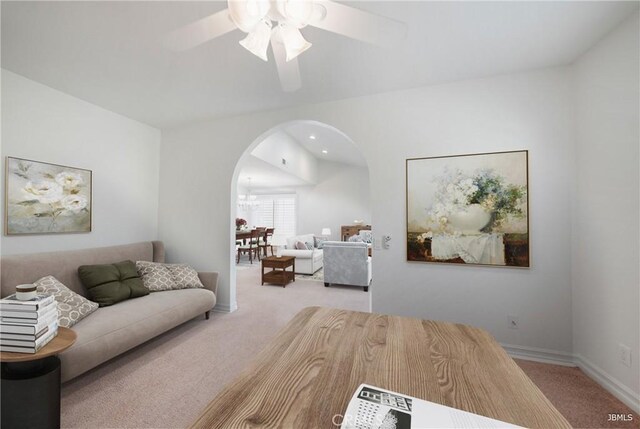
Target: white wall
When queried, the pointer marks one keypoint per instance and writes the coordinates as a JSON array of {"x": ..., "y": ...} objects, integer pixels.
[
  {"x": 341, "y": 195},
  {"x": 605, "y": 234},
  {"x": 43, "y": 124},
  {"x": 525, "y": 111}
]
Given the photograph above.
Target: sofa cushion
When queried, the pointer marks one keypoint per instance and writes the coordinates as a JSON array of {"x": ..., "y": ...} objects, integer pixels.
[
  {"x": 160, "y": 277},
  {"x": 111, "y": 283},
  {"x": 113, "y": 330},
  {"x": 299, "y": 254},
  {"x": 72, "y": 307},
  {"x": 291, "y": 241}
]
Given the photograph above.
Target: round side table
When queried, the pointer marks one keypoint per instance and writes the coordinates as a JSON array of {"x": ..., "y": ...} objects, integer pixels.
[{"x": 30, "y": 386}]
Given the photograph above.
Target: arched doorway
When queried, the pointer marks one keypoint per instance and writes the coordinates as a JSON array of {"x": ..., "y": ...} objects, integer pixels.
[{"x": 327, "y": 175}]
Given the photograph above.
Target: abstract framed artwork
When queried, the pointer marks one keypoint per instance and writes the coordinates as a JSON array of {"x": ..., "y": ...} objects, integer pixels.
[
  {"x": 469, "y": 209},
  {"x": 44, "y": 198}
]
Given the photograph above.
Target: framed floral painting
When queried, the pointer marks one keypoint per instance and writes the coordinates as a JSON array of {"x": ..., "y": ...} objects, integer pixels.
[
  {"x": 469, "y": 209},
  {"x": 43, "y": 198}
]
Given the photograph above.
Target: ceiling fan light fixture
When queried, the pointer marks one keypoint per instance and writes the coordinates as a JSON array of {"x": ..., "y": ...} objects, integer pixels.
[
  {"x": 257, "y": 41},
  {"x": 246, "y": 14},
  {"x": 294, "y": 43},
  {"x": 297, "y": 13}
]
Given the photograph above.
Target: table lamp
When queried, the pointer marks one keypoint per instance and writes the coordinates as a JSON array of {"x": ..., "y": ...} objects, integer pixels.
[
  {"x": 278, "y": 241},
  {"x": 325, "y": 232}
]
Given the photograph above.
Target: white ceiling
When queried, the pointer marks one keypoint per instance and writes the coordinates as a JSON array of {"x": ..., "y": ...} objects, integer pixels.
[
  {"x": 258, "y": 174},
  {"x": 339, "y": 147},
  {"x": 112, "y": 53}
]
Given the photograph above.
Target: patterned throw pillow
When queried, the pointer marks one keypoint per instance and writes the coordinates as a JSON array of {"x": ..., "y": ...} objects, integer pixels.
[
  {"x": 155, "y": 277},
  {"x": 309, "y": 245},
  {"x": 72, "y": 307},
  {"x": 184, "y": 276},
  {"x": 367, "y": 236},
  {"x": 158, "y": 277},
  {"x": 319, "y": 242}
]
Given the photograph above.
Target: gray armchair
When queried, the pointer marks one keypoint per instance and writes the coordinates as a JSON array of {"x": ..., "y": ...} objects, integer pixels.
[{"x": 347, "y": 263}]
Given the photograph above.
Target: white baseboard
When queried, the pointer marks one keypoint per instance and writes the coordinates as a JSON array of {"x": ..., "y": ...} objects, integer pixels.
[
  {"x": 540, "y": 355},
  {"x": 224, "y": 308},
  {"x": 617, "y": 389},
  {"x": 609, "y": 383}
]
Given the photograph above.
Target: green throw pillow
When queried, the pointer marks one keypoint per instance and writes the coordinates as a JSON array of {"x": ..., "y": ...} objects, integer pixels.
[{"x": 112, "y": 283}]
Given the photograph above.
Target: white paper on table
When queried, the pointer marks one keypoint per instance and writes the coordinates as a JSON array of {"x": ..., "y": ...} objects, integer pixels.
[{"x": 375, "y": 408}]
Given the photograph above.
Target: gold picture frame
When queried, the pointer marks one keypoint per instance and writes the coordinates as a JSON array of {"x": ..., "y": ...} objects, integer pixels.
[{"x": 469, "y": 209}]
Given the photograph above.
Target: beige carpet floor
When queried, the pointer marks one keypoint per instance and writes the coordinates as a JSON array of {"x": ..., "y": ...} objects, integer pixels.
[
  {"x": 580, "y": 399},
  {"x": 166, "y": 382}
]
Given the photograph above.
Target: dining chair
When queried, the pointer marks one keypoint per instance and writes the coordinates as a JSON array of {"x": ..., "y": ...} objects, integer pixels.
[
  {"x": 261, "y": 230},
  {"x": 265, "y": 240},
  {"x": 251, "y": 247}
]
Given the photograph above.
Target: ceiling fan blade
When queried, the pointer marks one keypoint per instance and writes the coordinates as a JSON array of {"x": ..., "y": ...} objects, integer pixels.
[
  {"x": 358, "y": 24},
  {"x": 200, "y": 31},
  {"x": 288, "y": 71}
]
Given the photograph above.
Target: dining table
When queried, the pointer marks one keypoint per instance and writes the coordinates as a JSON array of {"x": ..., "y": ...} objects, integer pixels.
[{"x": 243, "y": 235}]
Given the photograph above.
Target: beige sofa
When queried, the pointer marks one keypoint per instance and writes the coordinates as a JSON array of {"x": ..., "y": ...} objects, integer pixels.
[{"x": 110, "y": 331}]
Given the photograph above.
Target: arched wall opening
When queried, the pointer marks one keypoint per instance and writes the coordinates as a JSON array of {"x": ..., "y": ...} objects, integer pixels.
[{"x": 287, "y": 127}]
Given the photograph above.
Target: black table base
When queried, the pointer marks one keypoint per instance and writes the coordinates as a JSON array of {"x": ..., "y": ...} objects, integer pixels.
[{"x": 30, "y": 394}]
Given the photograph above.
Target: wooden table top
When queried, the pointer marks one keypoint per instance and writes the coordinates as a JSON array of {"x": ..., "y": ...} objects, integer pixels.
[
  {"x": 276, "y": 259},
  {"x": 65, "y": 339},
  {"x": 310, "y": 371},
  {"x": 245, "y": 233}
]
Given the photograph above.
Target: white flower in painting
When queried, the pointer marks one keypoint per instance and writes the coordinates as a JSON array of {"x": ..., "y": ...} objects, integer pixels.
[
  {"x": 74, "y": 203},
  {"x": 69, "y": 180},
  {"x": 454, "y": 190},
  {"x": 46, "y": 191}
]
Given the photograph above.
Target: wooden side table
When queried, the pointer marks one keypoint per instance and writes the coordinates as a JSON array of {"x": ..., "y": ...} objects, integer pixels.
[
  {"x": 30, "y": 386},
  {"x": 279, "y": 273}
]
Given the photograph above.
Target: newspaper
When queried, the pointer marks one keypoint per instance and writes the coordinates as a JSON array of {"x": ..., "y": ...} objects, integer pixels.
[{"x": 375, "y": 408}]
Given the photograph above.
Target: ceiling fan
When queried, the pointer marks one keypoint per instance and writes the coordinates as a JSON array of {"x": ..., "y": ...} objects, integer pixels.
[{"x": 278, "y": 22}]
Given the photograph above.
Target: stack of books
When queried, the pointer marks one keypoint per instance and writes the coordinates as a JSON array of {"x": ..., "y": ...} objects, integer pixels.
[{"x": 27, "y": 326}]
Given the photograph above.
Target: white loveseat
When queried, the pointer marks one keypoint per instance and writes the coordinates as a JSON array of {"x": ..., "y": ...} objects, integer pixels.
[{"x": 307, "y": 261}]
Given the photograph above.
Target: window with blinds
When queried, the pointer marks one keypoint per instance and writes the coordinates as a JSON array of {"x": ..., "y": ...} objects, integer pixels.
[{"x": 278, "y": 212}]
